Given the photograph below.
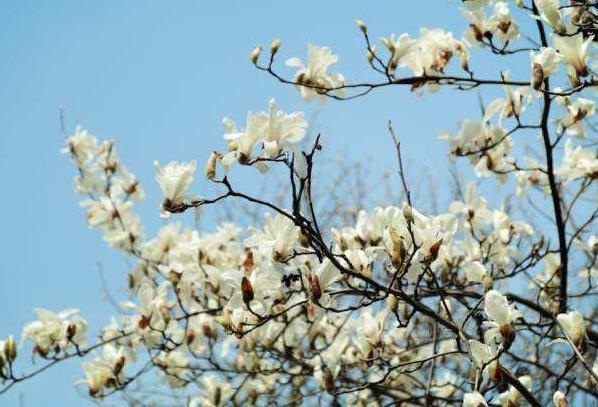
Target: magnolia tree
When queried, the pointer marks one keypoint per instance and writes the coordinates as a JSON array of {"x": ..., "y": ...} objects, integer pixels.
[{"x": 469, "y": 306}]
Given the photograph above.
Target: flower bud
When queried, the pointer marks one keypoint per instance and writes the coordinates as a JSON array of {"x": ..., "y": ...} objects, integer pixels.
[
  {"x": 118, "y": 366},
  {"x": 255, "y": 54},
  {"x": 274, "y": 46},
  {"x": 247, "y": 290},
  {"x": 11, "y": 349},
  {"x": 393, "y": 303},
  {"x": 315, "y": 287},
  {"x": 559, "y": 399},
  {"x": 210, "y": 169},
  {"x": 328, "y": 380},
  {"x": 537, "y": 76},
  {"x": 362, "y": 26},
  {"x": 407, "y": 213},
  {"x": 371, "y": 53}
]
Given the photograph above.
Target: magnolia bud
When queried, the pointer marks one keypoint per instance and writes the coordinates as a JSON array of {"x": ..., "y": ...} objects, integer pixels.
[
  {"x": 246, "y": 290},
  {"x": 71, "y": 330},
  {"x": 537, "y": 76},
  {"x": 371, "y": 54},
  {"x": 118, "y": 366},
  {"x": 11, "y": 349},
  {"x": 255, "y": 54},
  {"x": 388, "y": 44},
  {"x": 328, "y": 380},
  {"x": 559, "y": 399},
  {"x": 393, "y": 303},
  {"x": 362, "y": 26},
  {"x": 210, "y": 169},
  {"x": 274, "y": 46},
  {"x": 407, "y": 213},
  {"x": 315, "y": 288}
]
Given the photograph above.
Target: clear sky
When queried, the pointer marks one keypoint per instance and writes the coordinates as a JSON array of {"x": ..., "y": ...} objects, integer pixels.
[{"x": 158, "y": 77}]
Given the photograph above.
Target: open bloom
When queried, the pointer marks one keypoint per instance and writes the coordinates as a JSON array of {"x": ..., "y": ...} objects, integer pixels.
[
  {"x": 276, "y": 129},
  {"x": 56, "y": 332},
  {"x": 512, "y": 397},
  {"x": 574, "y": 50},
  {"x": 279, "y": 129},
  {"x": 501, "y": 23},
  {"x": 549, "y": 11},
  {"x": 474, "y": 399},
  {"x": 106, "y": 370},
  {"x": 544, "y": 64},
  {"x": 577, "y": 162},
  {"x": 573, "y": 325},
  {"x": 314, "y": 79},
  {"x": 578, "y": 110},
  {"x": 174, "y": 179},
  {"x": 501, "y": 315}
]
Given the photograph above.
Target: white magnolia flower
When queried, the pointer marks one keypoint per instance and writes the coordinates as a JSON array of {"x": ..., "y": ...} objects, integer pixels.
[
  {"x": 574, "y": 51},
  {"x": 549, "y": 11},
  {"x": 276, "y": 239},
  {"x": 512, "y": 397},
  {"x": 174, "y": 179},
  {"x": 274, "y": 128},
  {"x": 578, "y": 110},
  {"x": 475, "y": 272},
  {"x": 501, "y": 315},
  {"x": 498, "y": 309},
  {"x": 278, "y": 129},
  {"x": 105, "y": 368},
  {"x": 513, "y": 104},
  {"x": 82, "y": 147},
  {"x": 478, "y": 28},
  {"x": 432, "y": 52},
  {"x": 56, "y": 332},
  {"x": 573, "y": 325},
  {"x": 501, "y": 23},
  {"x": 314, "y": 79},
  {"x": 544, "y": 64},
  {"x": 559, "y": 399},
  {"x": 577, "y": 162},
  {"x": 474, "y": 399}
]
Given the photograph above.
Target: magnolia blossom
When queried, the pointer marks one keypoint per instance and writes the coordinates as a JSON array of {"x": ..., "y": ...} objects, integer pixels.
[
  {"x": 574, "y": 325},
  {"x": 474, "y": 399},
  {"x": 559, "y": 399},
  {"x": 174, "y": 179},
  {"x": 56, "y": 332},
  {"x": 478, "y": 29},
  {"x": 574, "y": 51},
  {"x": 501, "y": 23},
  {"x": 501, "y": 315},
  {"x": 106, "y": 370},
  {"x": 472, "y": 140},
  {"x": 512, "y": 397},
  {"x": 577, "y": 162},
  {"x": 276, "y": 129},
  {"x": 549, "y": 11},
  {"x": 82, "y": 146},
  {"x": 578, "y": 110},
  {"x": 544, "y": 64},
  {"x": 431, "y": 53},
  {"x": 313, "y": 79},
  {"x": 512, "y": 105},
  {"x": 484, "y": 357},
  {"x": 277, "y": 238}
]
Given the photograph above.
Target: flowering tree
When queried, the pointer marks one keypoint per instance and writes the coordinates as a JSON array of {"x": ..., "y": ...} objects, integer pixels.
[{"x": 468, "y": 306}]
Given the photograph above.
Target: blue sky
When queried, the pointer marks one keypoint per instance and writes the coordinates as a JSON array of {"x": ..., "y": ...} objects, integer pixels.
[{"x": 158, "y": 77}]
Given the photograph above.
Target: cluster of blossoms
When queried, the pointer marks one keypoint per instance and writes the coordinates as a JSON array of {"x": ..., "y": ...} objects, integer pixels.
[
  {"x": 389, "y": 305},
  {"x": 111, "y": 189}
]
